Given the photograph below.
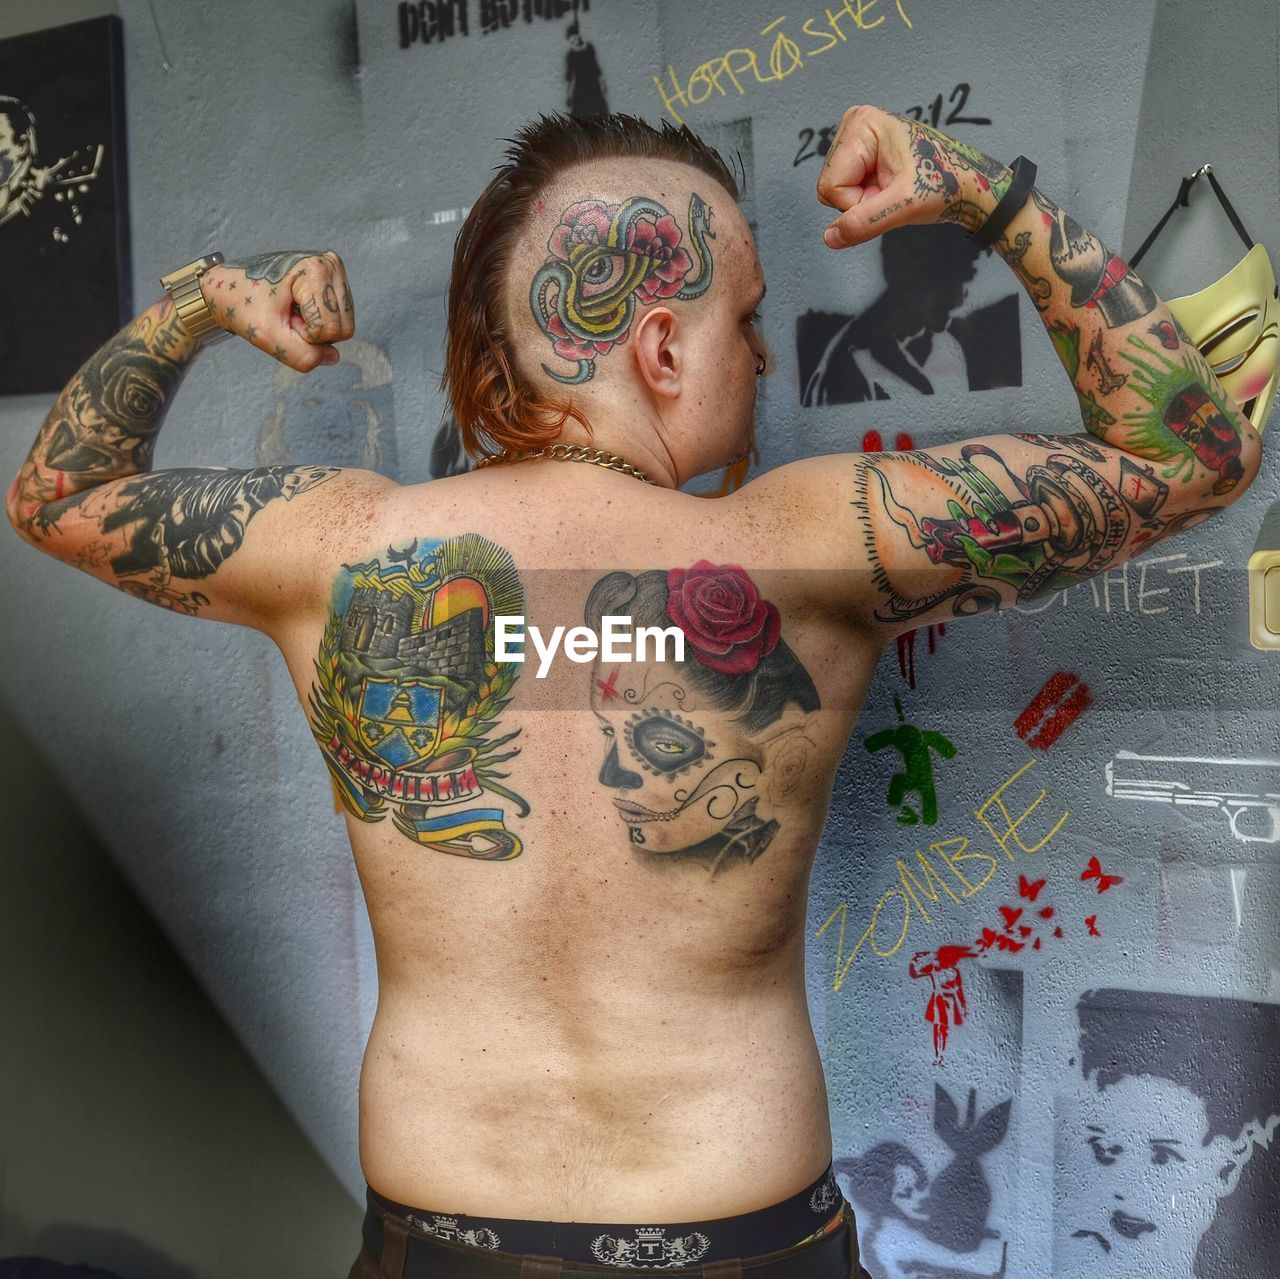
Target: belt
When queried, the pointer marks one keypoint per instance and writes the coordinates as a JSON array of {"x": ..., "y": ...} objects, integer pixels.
[{"x": 407, "y": 1254}]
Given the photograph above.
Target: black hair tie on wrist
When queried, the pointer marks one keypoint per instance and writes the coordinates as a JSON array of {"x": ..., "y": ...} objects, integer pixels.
[{"x": 1024, "y": 176}]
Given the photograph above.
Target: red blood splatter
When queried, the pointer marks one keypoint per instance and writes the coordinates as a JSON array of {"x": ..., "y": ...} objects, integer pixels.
[
  {"x": 907, "y": 651},
  {"x": 1094, "y": 871},
  {"x": 904, "y": 442},
  {"x": 1057, "y": 932},
  {"x": 907, "y": 656},
  {"x": 1047, "y": 913},
  {"x": 1092, "y": 921},
  {"x": 871, "y": 442},
  {"x": 1028, "y": 889},
  {"x": 1024, "y": 931},
  {"x": 1035, "y": 945}
]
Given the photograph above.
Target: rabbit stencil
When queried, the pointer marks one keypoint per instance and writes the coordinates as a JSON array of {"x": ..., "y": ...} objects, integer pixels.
[{"x": 959, "y": 1199}]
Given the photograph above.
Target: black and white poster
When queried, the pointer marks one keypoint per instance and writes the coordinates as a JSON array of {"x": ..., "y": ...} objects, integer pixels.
[
  {"x": 63, "y": 214},
  {"x": 1166, "y": 1159}
]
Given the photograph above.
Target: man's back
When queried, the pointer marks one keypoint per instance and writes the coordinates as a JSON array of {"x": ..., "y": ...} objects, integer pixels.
[
  {"x": 587, "y": 875},
  {"x": 587, "y": 888}
]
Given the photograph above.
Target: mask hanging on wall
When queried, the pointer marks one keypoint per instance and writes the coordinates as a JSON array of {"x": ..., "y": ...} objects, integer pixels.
[{"x": 1235, "y": 321}]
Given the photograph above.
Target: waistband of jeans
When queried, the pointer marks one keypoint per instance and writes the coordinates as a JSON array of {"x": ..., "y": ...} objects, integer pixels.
[{"x": 784, "y": 1228}]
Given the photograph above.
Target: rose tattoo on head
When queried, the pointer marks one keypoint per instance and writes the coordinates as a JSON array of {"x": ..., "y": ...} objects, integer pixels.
[
  {"x": 697, "y": 753},
  {"x": 603, "y": 258}
]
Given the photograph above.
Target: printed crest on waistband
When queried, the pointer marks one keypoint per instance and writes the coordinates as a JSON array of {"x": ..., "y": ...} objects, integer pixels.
[{"x": 650, "y": 1248}]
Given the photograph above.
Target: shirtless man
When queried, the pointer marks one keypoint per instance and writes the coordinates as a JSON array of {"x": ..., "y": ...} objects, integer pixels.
[{"x": 587, "y": 876}]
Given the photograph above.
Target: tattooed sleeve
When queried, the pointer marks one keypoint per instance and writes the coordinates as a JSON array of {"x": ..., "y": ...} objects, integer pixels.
[
  {"x": 963, "y": 529},
  {"x": 87, "y": 496},
  {"x": 156, "y": 534}
]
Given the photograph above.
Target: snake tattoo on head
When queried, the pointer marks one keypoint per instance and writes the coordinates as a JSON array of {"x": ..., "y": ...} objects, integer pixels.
[{"x": 603, "y": 257}]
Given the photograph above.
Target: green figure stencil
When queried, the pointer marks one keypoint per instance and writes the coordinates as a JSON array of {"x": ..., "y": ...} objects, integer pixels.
[{"x": 917, "y": 767}]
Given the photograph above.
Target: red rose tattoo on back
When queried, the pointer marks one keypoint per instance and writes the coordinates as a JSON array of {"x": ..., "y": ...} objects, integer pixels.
[
  {"x": 605, "y": 258},
  {"x": 702, "y": 754},
  {"x": 724, "y": 620}
]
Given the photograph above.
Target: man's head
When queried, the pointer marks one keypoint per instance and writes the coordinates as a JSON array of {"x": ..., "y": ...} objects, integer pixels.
[
  {"x": 606, "y": 276},
  {"x": 1180, "y": 1095},
  {"x": 927, "y": 271},
  {"x": 17, "y": 137}
]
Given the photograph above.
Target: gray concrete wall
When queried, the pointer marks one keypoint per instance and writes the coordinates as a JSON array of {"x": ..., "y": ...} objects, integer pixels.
[
  {"x": 136, "y": 1133},
  {"x": 258, "y": 126}
]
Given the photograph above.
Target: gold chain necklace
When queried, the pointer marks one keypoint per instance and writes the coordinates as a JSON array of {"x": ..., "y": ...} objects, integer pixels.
[{"x": 568, "y": 453}]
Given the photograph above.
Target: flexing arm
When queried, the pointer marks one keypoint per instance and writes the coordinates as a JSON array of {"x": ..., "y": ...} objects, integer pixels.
[
  {"x": 960, "y": 529},
  {"x": 86, "y": 493}
]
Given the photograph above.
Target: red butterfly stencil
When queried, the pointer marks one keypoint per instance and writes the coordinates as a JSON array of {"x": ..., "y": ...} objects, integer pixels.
[
  {"x": 1094, "y": 871},
  {"x": 1011, "y": 916},
  {"x": 1028, "y": 889}
]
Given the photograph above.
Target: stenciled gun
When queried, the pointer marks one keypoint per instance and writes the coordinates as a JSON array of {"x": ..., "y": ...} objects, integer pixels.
[{"x": 1247, "y": 790}]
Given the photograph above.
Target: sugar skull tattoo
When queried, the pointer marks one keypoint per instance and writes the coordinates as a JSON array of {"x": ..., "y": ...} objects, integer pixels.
[{"x": 701, "y": 754}]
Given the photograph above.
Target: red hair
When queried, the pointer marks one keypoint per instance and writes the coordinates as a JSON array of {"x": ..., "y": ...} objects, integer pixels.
[{"x": 494, "y": 409}]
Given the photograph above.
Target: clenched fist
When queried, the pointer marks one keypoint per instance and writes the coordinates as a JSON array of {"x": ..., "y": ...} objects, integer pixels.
[
  {"x": 885, "y": 171},
  {"x": 293, "y": 304}
]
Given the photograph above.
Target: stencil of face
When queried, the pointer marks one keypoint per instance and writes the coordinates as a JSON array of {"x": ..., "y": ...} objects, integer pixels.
[
  {"x": 14, "y": 157},
  {"x": 8, "y": 144},
  {"x": 908, "y": 1191},
  {"x": 1146, "y": 1185},
  {"x": 675, "y": 765},
  {"x": 332, "y": 415}
]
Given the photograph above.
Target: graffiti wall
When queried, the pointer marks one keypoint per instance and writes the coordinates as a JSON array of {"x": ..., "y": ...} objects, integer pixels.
[{"x": 1043, "y": 962}]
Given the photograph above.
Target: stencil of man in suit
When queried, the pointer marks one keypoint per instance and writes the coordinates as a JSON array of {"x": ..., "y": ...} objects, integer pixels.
[
  {"x": 912, "y": 339},
  {"x": 587, "y": 94}
]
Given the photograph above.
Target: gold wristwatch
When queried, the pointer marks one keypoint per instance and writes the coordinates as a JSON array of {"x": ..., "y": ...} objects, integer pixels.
[{"x": 183, "y": 286}]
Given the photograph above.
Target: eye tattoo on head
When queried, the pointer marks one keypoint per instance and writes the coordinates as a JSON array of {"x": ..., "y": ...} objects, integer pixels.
[
  {"x": 664, "y": 743},
  {"x": 606, "y": 258}
]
